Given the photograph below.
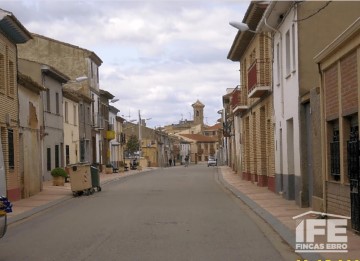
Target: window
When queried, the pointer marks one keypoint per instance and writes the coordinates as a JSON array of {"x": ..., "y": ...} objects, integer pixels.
[
  {"x": 66, "y": 112},
  {"x": 293, "y": 48},
  {"x": 75, "y": 116},
  {"x": 11, "y": 156},
  {"x": 57, "y": 103},
  {"x": 67, "y": 154},
  {"x": 287, "y": 52},
  {"x": 91, "y": 69},
  {"x": 335, "y": 152},
  {"x": 353, "y": 149},
  {"x": 82, "y": 150},
  {"x": 278, "y": 63},
  {"x": 48, "y": 160},
  {"x": 11, "y": 78},
  {"x": 81, "y": 113},
  {"x": 2, "y": 73},
  {"x": 48, "y": 100},
  {"x": 57, "y": 156}
]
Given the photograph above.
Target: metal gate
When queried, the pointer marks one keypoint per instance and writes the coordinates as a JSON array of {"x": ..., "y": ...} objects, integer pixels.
[{"x": 353, "y": 172}]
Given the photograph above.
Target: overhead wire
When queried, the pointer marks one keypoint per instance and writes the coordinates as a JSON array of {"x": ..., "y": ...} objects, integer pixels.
[{"x": 311, "y": 15}]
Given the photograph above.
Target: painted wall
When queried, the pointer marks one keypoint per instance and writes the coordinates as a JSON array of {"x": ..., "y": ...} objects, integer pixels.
[
  {"x": 71, "y": 131},
  {"x": 286, "y": 100},
  {"x": 30, "y": 120}
]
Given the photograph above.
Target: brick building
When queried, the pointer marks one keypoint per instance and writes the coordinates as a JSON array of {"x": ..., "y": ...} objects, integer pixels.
[
  {"x": 340, "y": 80},
  {"x": 251, "y": 103},
  {"x": 12, "y": 33}
]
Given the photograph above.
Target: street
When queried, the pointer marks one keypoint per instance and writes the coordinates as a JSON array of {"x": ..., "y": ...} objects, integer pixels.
[{"x": 173, "y": 213}]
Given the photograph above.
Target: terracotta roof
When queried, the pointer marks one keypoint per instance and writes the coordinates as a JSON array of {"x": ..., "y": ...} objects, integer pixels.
[
  {"x": 214, "y": 127},
  {"x": 199, "y": 137}
]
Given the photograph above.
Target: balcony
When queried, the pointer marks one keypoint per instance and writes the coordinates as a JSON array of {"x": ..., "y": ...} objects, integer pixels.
[
  {"x": 259, "y": 78},
  {"x": 239, "y": 101},
  {"x": 110, "y": 135},
  {"x": 98, "y": 121}
]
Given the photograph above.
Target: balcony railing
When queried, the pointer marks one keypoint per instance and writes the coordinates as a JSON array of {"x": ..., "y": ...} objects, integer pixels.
[
  {"x": 239, "y": 100},
  {"x": 98, "y": 121},
  {"x": 110, "y": 135},
  {"x": 259, "y": 78}
]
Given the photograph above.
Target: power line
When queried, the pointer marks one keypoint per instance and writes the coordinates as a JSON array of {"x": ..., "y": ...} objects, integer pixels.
[{"x": 318, "y": 11}]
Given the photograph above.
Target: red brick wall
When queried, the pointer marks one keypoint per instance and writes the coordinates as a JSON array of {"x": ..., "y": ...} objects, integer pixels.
[
  {"x": 349, "y": 95},
  {"x": 331, "y": 92}
]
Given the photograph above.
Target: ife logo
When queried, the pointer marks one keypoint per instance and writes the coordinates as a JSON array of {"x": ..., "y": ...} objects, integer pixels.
[{"x": 323, "y": 235}]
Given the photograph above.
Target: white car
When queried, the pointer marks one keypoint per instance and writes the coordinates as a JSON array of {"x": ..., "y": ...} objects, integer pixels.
[{"x": 212, "y": 162}]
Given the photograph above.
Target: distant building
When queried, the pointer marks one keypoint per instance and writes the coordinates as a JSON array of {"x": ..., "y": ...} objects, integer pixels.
[
  {"x": 194, "y": 126},
  {"x": 201, "y": 146}
]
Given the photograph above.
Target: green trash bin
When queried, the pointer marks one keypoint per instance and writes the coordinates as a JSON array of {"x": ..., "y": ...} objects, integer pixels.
[{"x": 95, "y": 178}]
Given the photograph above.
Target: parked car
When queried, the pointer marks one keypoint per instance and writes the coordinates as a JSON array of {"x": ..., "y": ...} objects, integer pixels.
[{"x": 212, "y": 162}]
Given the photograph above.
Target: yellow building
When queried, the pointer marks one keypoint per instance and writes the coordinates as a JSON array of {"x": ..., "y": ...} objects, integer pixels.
[{"x": 71, "y": 126}]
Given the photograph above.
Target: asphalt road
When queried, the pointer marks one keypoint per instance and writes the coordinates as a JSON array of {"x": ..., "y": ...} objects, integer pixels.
[{"x": 174, "y": 213}]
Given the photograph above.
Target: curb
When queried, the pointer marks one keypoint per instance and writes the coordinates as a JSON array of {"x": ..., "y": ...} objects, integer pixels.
[
  {"x": 29, "y": 213},
  {"x": 286, "y": 234}
]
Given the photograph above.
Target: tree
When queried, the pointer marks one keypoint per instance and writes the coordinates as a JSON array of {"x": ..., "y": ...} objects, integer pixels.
[{"x": 132, "y": 145}]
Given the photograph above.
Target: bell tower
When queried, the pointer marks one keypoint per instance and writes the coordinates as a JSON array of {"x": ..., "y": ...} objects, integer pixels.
[{"x": 198, "y": 112}]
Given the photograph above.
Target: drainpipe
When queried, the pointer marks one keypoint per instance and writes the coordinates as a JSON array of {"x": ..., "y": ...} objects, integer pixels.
[{"x": 323, "y": 141}]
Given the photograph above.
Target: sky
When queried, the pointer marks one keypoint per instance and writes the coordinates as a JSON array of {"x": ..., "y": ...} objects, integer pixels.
[{"x": 159, "y": 56}]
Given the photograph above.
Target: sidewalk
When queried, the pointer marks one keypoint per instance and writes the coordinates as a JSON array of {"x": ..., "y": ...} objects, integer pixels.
[
  {"x": 52, "y": 195},
  {"x": 278, "y": 212},
  {"x": 275, "y": 210}
]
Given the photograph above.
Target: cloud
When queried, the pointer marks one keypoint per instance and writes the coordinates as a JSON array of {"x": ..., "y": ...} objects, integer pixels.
[{"x": 159, "y": 57}]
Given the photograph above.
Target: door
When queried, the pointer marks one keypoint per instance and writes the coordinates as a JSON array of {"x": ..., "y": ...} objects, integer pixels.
[{"x": 353, "y": 174}]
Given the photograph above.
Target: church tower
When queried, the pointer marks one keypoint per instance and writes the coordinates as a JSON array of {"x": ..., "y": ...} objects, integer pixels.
[{"x": 198, "y": 112}]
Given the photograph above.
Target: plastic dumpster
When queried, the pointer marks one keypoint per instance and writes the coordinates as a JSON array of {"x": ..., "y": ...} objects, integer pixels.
[
  {"x": 95, "y": 178},
  {"x": 80, "y": 179}
]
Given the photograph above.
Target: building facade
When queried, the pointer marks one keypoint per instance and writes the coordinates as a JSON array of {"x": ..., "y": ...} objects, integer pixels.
[
  {"x": 73, "y": 62},
  {"x": 339, "y": 75},
  {"x": 295, "y": 78},
  {"x": 12, "y": 34},
  {"x": 71, "y": 126},
  {"x": 251, "y": 103},
  {"x": 30, "y": 141}
]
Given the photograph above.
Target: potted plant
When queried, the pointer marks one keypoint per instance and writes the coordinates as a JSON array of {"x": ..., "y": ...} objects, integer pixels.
[
  {"x": 59, "y": 176},
  {"x": 108, "y": 168}
]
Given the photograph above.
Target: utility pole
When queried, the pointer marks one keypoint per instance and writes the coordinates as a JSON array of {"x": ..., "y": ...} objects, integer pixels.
[{"x": 139, "y": 134}]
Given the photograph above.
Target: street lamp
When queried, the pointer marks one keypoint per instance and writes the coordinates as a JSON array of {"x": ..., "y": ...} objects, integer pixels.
[
  {"x": 114, "y": 100},
  {"x": 81, "y": 78},
  {"x": 242, "y": 27},
  {"x": 76, "y": 80}
]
